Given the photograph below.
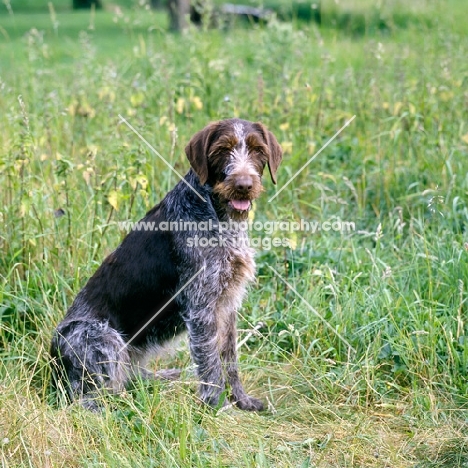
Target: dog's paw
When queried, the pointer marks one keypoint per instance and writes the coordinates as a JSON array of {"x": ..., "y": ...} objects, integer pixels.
[
  {"x": 91, "y": 402},
  {"x": 213, "y": 395},
  {"x": 215, "y": 399},
  {"x": 249, "y": 403},
  {"x": 168, "y": 374},
  {"x": 163, "y": 374}
]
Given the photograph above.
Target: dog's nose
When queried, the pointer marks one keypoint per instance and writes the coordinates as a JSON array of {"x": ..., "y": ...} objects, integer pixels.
[{"x": 244, "y": 183}]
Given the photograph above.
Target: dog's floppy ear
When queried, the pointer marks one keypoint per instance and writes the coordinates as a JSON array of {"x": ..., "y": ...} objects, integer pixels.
[
  {"x": 198, "y": 149},
  {"x": 275, "y": 153}
]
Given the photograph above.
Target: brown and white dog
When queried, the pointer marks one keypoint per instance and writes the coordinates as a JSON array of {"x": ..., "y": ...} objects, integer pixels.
[{"x": 157, "y": 284}]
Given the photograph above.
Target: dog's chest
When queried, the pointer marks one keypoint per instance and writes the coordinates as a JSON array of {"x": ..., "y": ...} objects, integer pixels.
[
  {"x": 237, "y": 264},
  {"x": 237, "y": 270}
]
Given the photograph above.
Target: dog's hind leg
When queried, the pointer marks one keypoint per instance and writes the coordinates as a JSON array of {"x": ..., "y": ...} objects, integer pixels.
[
  {"x": 163, "y": 374},
  {"x": 140, "y": 356},
  {"x": 89, "y": 357}
]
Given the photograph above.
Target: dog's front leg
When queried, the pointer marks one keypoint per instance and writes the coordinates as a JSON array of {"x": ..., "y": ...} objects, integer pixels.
[
  {"x": 229, "y": 358},
  {"x": 202, "y": 329}
]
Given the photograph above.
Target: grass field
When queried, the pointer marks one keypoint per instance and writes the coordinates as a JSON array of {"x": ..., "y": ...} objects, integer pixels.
[{"x": 369, "y": 367}]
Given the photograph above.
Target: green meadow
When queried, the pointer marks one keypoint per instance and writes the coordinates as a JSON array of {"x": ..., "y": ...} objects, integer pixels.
[{"x": 356, "y": 340}]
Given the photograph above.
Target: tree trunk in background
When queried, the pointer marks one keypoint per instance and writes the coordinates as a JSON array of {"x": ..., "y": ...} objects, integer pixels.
[
  {"x": 156, "y": 3},
  {"x": 178, "y": 13},
  {"x": 79, "y": 4}
]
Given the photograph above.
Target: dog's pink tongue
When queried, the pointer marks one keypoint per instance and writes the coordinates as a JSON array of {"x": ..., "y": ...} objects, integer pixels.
[{"x": 240, "y": 205}]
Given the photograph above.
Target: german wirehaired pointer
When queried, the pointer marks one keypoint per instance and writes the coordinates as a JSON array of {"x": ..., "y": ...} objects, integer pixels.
[{"x": 156, "y": 284}]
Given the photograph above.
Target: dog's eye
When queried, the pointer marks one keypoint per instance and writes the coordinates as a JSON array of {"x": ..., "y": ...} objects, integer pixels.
[
  {"x": 217, "y": 152},
  {"x": 263, "y": 158}
]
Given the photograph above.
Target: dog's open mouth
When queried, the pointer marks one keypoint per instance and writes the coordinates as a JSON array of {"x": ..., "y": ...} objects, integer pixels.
[{"x": 240, "y": 205}]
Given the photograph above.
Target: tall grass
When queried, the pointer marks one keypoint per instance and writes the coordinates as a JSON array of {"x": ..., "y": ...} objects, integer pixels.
[{"x": 378, "y": 377}]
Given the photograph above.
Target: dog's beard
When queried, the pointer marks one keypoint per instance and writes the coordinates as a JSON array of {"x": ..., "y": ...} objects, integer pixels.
[{"x": 236, "y": 204}]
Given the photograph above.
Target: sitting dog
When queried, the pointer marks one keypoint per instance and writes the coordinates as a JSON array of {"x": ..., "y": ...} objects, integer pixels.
[{"x": 157, "y": 284}]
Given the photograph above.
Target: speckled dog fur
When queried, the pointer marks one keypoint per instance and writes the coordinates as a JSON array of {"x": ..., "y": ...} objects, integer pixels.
[{"x": 103, "y": 341}]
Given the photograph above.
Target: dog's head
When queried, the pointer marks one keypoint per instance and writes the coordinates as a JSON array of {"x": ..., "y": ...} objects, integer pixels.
[{"x": 230, "y": 156}]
